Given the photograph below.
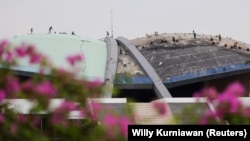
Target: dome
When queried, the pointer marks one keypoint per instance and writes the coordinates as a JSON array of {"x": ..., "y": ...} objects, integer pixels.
[{"x": 58, "y": 46}]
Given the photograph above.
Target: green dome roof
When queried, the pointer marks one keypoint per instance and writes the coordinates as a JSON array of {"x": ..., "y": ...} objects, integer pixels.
[{"x": 58, "y": 46}]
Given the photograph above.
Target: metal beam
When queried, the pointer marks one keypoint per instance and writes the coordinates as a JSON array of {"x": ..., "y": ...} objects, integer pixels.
[
  {"x": 112, "y": 57},
  {"x": 159, "y": 87}
]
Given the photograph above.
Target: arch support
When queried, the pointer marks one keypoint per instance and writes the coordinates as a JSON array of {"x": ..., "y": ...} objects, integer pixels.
[
  {"x": 112, "y": 57},
  {"x": 159, "y": 87}
]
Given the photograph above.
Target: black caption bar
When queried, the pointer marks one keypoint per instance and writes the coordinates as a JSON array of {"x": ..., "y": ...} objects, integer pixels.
[{"x": 200, "y": 132}]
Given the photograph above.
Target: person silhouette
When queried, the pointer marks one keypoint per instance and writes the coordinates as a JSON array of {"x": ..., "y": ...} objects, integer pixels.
[
  {"x": 31, "y": 31},
  {"x": 107, "y": 33},
  {"x": 194, "y": 34},
  {"x": 50, "y": 29},
  {"x": 219, "y": 37}
]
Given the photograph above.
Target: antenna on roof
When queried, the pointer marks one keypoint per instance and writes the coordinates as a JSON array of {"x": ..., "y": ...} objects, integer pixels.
[{"x": 112, "y": 23}]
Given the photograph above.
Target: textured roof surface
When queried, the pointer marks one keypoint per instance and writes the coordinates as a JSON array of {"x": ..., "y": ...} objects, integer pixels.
[
  {"x": 188, "y": 57},
  {"x": 176, "y": 61}
]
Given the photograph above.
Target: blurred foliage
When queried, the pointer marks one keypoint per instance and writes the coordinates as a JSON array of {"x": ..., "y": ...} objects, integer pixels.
[{"x": 42, "y": 123}]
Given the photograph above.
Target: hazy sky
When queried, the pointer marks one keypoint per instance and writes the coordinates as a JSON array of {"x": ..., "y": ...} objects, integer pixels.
[{"x": 131, "y": 18}]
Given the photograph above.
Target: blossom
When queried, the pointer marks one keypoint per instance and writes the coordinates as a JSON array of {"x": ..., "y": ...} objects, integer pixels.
[
  {"x": 208, "y": 115},
  {"x": 21, "y": 51},
  {"x": 232, "y": 101},
  {"x": 9, "y": 56},
  {"x": 68, "y": 105},
  {"x": 94, "y": 83},
  {"x": 30, "y": 49},
  {"x": 46, "y": 88},
  {"x": 28, "y": 85},
  {"x": 3, "y": 45},
  {"x": 160, "y": 107},
  {"x": 124, "y": 122},
  {"x": 72, "y": 59},
  {"x": 35, "y": 58},
  {"x": 112, "y": 122},
  {"x": 2, "y": 95},
  {"x": 12, "y": 85},
  {"x": 60, "y": 114},
  {"x": 197, "y": 96},
  {"x": 96, "y": 106},
  {"x": 235, "y": 88},
  {"x": 211, "y": 93}
]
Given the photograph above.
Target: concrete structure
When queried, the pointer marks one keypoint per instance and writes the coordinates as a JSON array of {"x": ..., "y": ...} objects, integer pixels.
[{"x": 148, "y": 69}]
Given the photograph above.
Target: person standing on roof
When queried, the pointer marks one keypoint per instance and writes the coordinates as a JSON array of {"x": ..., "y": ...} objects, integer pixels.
[
  {"x": 219, "y": 37},
  {"x": 194, "y": 34},
  {"x": 50, "y": 29},
  {"x": 31, "y": 31}
]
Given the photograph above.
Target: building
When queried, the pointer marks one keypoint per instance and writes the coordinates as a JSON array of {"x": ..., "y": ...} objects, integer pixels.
[{"x": 149, "y": 69}]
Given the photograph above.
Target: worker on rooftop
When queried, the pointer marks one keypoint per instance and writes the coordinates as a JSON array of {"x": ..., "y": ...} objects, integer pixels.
[
  {"x": 50, "y": 29},
  {"x": 219, "y": 37},
  {"x": 194, "y": 34},
  {"x": 31, "y": 31}
]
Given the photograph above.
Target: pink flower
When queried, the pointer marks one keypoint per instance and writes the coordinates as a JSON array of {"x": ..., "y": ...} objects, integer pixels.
[
  {"x": 72, "y": 59},
  {"x": 232, "y": 101},
  {"x": 12, "y": 85},
  {"x": 109, "y": 120},
  {"x": 94, "y": 83},
  {"x": 1, "y": 118},
  {"x": 110, "y": 123},
  {"x": 28, "y": 85},
  {"x": 82, "y": 113},
  {"x": 9, "y": 56},
  {"x": 211, "y": 93},
  {"x": 197, "y": 95},
  {"x": 46, "y": 88},
  {"x": 2, "y": 95},
  {"x": 68, "y": 105},
  {"x": 21, "y": 51},
  {"x": 96, "y": 106},
  {"x": 61, "y": 113},
  {"x": 235, "y": 88},
  {"x": 124, "y": 122},
  {"x": 116, "y": 125},
  {"x": 208, "y": 115},
  {"x": 161, "y": 107},
  {"x": 35, "y": 58},
  {"x": 3, "y": 45},
  {"x": 30, "y": 49}
]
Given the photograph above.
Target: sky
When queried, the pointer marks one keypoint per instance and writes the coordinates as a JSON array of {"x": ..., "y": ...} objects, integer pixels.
[{"x": 128, "y": 18}]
